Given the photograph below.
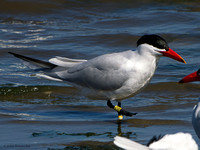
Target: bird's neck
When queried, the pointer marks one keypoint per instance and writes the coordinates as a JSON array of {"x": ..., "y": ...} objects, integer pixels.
[{"x": 147, "y": 54}]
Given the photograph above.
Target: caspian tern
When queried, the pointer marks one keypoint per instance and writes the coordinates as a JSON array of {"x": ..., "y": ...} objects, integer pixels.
[
  {"x": 195, "y": 76},
  {"x": 178, "y": 141},
  {"x": 114, "y": 76}
]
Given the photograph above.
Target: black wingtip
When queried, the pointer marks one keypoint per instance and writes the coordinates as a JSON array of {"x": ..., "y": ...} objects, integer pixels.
[
  {"x": 37, "y": 62},
  {"x": 16, "y": 55},
  {"x": 11, "y": 53}
]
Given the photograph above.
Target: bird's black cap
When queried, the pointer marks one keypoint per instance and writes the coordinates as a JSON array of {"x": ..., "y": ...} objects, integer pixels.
[{"x": 153, "y": 40}]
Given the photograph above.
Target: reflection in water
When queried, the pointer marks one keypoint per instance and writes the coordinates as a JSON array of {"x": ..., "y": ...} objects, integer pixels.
[
  {"x": 119, "y": 128},
  {"x": 53, "y": 134},
  {"x": 120, "y": 132}
]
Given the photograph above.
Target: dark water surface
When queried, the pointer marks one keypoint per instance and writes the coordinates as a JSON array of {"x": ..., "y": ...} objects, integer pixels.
[{"x": 42, "y": 114}]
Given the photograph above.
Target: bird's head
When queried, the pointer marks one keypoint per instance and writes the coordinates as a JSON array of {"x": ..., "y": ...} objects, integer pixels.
[
  {"x": 195, "y": 76},
  {"x": 159, "y": 46}
]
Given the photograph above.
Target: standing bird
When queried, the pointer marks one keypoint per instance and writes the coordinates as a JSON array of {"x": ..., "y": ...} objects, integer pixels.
[
  {"x": 114, "y": 76},
  {"x": 195, "y": 76}
]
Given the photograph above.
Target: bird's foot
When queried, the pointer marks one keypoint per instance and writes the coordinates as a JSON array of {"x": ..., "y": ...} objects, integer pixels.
[
  {"x": 120, "y": 110},
  {"x": 127, "y": 113}
]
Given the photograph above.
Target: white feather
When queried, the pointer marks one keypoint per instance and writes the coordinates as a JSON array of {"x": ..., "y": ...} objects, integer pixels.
[
  {"x": 48, "y": 77},
  {"x": 65, "y": 62},
  {"x": 128, "y": 144},
  {"x": 178, "y": 141}
]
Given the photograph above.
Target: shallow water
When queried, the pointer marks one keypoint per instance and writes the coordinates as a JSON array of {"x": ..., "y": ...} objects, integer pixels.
[{"x": 42, "y": 114}]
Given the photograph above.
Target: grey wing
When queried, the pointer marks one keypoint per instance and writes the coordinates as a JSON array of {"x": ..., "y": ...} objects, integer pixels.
[
  {"x": 101, "y": 73},
  {"x": 98, "y": 79}
]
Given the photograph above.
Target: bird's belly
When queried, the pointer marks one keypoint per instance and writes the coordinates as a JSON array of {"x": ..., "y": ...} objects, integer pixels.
[{"x": 129, "y": 89}]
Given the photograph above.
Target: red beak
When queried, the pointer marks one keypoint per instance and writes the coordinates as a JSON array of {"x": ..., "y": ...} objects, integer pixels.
[
  {"x": 172, "y": 54},
  {"x": 190, "y": 78}
]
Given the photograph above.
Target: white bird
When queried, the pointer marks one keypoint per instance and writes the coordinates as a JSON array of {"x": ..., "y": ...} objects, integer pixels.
[
  {"x": 195, "y": 76},
  {"x": 178, "y": 141},
  {"x": 114, "y": 76}
]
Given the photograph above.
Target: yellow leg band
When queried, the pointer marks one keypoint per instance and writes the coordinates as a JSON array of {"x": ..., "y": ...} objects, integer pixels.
[
  {"x": 117, "y": 108},
  {"x": 120, "y": 117}
]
